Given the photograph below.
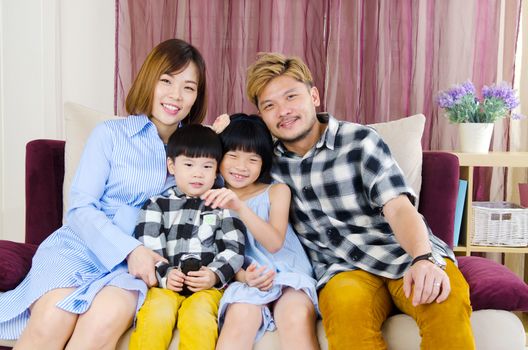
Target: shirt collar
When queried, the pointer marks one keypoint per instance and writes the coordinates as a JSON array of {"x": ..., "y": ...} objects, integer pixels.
[
  {"x": 138, "y": 123},
  {"x": 175, "y": 192},
  {"x": 327, "y": 139}
]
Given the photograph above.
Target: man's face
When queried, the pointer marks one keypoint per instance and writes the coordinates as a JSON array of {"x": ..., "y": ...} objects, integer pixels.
[{"x": 287, "y": 106}]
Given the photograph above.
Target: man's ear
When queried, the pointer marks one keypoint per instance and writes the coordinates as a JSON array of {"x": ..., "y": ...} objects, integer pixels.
[
  {"x": 314, "y": 93},
  {"x": 170, "y": 165}
]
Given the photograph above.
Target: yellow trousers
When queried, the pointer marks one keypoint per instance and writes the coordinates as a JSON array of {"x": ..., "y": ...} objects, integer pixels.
[
  {"x": 196, "y": 316},
  {"x": 354, "y": 305}
]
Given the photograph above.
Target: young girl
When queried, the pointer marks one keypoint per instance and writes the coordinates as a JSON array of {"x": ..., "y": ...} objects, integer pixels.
[
  {"x": 276, "y": 289},
  {"x": 90, "y": 276}
]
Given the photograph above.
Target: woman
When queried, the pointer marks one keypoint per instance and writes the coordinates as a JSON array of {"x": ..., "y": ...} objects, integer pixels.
[{"x": 89, "y": 278}]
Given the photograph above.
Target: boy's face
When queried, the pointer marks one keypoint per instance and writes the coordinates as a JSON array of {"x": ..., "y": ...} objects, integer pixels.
[{"x": 194, "y": 176}]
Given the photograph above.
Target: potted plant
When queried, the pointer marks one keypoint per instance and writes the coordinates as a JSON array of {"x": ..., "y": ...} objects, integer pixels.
[{"x": 476, "y": 117}]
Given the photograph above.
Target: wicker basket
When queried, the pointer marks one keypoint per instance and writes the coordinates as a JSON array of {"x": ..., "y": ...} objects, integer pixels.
[{"x": 499, "y": 224}]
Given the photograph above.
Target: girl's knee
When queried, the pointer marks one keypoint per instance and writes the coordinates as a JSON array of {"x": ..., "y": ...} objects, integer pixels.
[{"x": 243, "y": 314}]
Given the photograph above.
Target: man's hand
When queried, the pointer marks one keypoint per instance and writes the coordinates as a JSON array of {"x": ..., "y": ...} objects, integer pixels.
[
  {"x": 175, "y": 280},
  {"x": 202, "y": 279},
  {"x": 141, "y": 263},
  {"x": 430, "y": 283},
  {"x": 259, "y": 278}
]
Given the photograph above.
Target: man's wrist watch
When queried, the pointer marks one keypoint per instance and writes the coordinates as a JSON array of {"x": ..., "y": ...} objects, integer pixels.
[{"x": 433, "y": 257}]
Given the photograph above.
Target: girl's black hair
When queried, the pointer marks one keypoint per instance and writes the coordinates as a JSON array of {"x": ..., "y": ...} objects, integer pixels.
[
  {"x": 194, "y": 141},
  {"x": 248, "y": 133}
]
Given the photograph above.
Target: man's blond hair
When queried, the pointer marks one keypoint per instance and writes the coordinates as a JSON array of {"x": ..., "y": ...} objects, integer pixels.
[{"x": 271, "y": 65}]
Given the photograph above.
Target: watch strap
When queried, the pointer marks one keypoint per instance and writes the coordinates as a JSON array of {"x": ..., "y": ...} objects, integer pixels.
[{"x": 426, "y": 256}]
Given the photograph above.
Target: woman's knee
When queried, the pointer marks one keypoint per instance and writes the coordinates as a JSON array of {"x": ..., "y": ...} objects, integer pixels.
[
  {"x": 109, "y": 316},
  {"x": 47, "y": 321}
]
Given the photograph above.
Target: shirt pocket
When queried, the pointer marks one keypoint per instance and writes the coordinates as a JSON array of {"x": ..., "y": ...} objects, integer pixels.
[{"x": 206, "y": 231}]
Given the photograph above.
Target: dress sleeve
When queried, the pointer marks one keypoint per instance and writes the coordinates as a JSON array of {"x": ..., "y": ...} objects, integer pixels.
[
  {"x": 230, "y": 240},
  {"x": 107, "y": 241}
]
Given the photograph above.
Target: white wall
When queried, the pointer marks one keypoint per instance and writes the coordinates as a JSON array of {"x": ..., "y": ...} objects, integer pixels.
[{"x": 51, "y": 51}]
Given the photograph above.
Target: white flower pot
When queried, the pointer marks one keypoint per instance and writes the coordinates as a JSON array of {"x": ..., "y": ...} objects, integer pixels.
[{"x": 475, "y": 137}]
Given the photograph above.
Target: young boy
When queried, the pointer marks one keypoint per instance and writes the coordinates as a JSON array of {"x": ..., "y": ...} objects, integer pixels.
[{"x": 204, "y": 247}]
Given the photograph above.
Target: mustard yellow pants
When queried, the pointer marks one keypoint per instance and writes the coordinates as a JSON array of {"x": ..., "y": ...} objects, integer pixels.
[
  {"x": 196, "y": 316},
  {"x": 354, "y": 305}
]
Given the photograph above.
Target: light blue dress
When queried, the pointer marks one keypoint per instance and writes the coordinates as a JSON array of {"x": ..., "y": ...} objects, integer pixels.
[
  {"x": 293, "y": 269},
  {"x": 123, "y": 164}
]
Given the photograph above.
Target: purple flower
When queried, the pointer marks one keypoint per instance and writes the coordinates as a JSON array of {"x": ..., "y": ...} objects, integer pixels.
[
  {"x": 445, "y": 100},
  {"x": 469, "y": 87},
  {"x": 501, "y": 92},
  {"x": 462, "y": 106},
  {"x": 453, "y": 96}
]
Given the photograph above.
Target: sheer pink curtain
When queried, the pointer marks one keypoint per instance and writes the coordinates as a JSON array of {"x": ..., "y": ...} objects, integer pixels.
[{"x": 372, "y": 60}]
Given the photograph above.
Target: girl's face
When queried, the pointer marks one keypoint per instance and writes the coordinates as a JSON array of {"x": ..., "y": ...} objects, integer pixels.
[
  {"x": 240, "y": 169},
  {"x": 195, "y": 176},
  {"x": 174, "y": 96}
]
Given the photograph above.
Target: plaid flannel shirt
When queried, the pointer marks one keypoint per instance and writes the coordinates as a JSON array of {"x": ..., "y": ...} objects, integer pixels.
[
  {"x": 339, "y": 188},
  {"x": 173, "y": 225}
]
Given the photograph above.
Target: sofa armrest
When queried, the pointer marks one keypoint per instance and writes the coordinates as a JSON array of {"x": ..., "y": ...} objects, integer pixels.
[
  {"x": 44, "y": 179},
  {"x": 438, "y": 195}
]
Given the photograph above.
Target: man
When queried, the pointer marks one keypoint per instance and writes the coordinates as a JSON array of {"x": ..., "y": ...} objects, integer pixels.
[{"x": 353, "y": 211}]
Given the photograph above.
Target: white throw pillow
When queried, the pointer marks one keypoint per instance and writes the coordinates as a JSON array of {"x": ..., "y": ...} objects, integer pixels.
[
  {"x": 404, "y": 138},
  {"x": 79, "y": 121}
]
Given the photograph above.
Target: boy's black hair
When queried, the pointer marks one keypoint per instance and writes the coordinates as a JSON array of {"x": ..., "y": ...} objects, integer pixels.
[
  {"x": 248, "y": 133},
  {"x": 194, "y": 141}
]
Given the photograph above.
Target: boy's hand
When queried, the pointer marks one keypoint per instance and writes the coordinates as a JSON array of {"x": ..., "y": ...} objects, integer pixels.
[
  {"x": 259, "y": 278},
  {"x": 175, "y": 280},
  {"x": 223, "y": 198},
  {"x": 141, "y": 262},
  {"x": 202, "y": 279},
  {"x": 221, "y": 122}
]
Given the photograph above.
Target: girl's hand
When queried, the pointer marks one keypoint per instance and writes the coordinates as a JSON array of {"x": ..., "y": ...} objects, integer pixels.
[
  {"x": 223, "y": 198},
  {"x": 258, "y": 278},
  {"x": 141, "y": 263},
  {"x": 175, "y": 280},
  {"x": 201, "y": 279},
  {"x": 221, "y": 122}
]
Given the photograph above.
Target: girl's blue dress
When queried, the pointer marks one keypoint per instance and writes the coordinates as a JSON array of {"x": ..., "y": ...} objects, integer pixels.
[
  {"x": 123, "y": 164},
  {"x": 293, "y": 269}
]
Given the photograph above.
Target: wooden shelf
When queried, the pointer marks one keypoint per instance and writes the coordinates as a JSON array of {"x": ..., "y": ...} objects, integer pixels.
[{"x": 468, "y": 162}]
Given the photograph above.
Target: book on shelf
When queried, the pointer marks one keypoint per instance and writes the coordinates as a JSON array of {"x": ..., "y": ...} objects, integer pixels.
[{"x": 459, "y": 210}]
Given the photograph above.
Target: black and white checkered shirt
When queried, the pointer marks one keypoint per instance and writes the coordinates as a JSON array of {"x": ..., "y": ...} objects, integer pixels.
[
  {"x": 339, "y": 189},
  {"x": 173, "y": 225}
]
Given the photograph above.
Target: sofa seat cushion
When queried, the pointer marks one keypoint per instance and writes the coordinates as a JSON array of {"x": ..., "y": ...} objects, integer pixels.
[
  {"x": 492, "y": 285},
  {"x": 15, "y": 261}
]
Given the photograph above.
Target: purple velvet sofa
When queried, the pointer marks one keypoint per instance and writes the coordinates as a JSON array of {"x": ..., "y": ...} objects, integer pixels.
[{"x": 492, "y": 285}]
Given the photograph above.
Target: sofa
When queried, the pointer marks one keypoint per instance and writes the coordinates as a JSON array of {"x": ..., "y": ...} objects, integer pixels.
[{"x": 495, "y": 291}]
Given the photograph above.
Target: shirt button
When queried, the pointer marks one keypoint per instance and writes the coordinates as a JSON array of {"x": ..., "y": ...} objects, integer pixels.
[
  {"x": 306, "y": 188},
  {"x": 355, "y": 258}
]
